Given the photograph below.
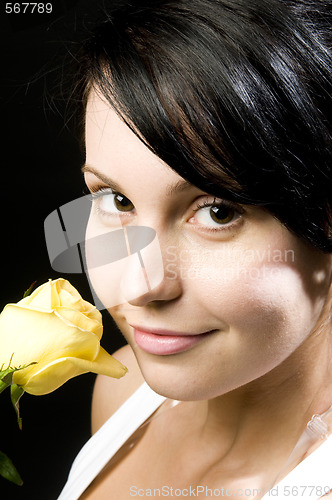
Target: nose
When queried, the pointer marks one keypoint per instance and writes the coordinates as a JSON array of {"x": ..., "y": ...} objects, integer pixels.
[{"x": 147, "y": 278}]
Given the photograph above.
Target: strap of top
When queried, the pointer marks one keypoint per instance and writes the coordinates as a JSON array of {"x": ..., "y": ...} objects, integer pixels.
[{"x": 101, "y": 447}]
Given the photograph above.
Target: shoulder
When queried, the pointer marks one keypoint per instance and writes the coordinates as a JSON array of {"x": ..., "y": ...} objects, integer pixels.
[{"x": 110, "y": 393}]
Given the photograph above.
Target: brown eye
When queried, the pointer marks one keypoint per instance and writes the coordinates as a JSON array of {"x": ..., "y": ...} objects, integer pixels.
[
  {"x": 216, "y": 215},
  {"x": 222, "y": 214},
  {"x": 122, "y": 203},
  {"x": 108, "y": 203}
]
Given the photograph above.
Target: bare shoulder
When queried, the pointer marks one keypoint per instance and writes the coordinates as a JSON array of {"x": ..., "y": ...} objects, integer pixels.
[{"x": 110, "y": 393}]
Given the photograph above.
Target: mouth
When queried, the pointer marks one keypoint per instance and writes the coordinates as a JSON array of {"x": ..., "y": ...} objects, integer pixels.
[{"x": 165, "y": 342}]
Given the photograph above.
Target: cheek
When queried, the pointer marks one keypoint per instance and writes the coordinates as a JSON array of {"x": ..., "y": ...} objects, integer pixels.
[
  {"x": 261, "y": 303},
  {"x": 265, "y": 317}
]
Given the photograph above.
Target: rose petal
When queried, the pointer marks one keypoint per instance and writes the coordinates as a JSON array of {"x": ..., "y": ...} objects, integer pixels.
[
  {"x": 80, "y": 320},
  {"x": 45, "y": 297},
  {"x": 39, "y": 336},
  {"x": 103, "y": 364},
  {"x": 59, "y": 371}
]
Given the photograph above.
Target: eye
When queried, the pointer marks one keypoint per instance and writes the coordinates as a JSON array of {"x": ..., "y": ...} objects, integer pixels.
[
  {"x": 221, "y": 214},
  {"x": 109, "y": 203},
  {"x": 122, "y": 203},
  {"x": 216, "y": 215}
]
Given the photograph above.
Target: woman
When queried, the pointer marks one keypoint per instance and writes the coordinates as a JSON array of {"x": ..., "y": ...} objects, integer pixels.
[{"x": 209, "y": 122}]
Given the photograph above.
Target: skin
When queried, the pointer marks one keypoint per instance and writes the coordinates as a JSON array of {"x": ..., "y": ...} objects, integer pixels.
[{"x": 267, "y": 363}]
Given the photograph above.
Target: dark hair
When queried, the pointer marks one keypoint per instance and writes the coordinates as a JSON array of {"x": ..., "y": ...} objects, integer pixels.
[{"x": 234, "y": 95}]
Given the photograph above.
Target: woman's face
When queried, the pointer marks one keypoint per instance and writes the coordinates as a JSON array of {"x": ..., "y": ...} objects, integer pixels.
[{"x": 235, "y": 292}]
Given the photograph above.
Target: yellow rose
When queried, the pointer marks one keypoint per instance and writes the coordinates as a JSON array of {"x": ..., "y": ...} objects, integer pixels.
[{"x": 60, "y": 331}]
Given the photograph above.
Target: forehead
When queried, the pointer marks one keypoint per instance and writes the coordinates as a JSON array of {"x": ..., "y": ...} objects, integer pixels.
[
  {"x": 114, "y": 149},
  {"x": 104, "y": 129}
]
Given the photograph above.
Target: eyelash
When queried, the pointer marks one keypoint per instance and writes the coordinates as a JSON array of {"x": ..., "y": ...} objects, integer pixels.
[{"x": 97, "y": 192}]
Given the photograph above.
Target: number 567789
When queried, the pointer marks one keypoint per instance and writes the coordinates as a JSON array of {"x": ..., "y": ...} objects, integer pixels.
[{"x": 28, "y": 8}]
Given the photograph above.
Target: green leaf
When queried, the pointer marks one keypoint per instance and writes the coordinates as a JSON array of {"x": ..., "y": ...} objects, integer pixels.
[
  {"x": 29, "y": 290},
  {"x": 3, "y": 386},
  {"x": 7, "y": 375},
  {"x": 16, "y": 393},
  {"x": 6, "y": 378},
  {"x": 8, "y": 470}
]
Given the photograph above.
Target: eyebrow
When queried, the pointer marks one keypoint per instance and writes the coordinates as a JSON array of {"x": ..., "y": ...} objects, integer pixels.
[
  {"x": 171, "y": 189},
  {"x": 106, "y": 180}
]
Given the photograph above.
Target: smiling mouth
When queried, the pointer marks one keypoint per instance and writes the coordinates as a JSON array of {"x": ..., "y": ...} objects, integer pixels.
[{"x": 165, "y": 342}]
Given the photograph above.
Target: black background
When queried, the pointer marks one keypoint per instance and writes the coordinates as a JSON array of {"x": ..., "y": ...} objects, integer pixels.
[{"x": 40, "y": 170}]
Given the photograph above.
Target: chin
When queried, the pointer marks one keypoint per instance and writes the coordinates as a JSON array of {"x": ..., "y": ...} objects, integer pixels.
[
  {"x": 166, "y": 379},
  {"x": 178, "y": 391},
  {"x": 179, "y": 384}
]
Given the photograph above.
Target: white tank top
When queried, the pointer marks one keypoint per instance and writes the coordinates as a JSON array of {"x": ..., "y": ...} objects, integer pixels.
[{"x": 306, "y": 482}]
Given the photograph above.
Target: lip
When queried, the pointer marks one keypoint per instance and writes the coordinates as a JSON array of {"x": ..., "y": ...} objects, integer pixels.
[{"x": 164, "y": 342}]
